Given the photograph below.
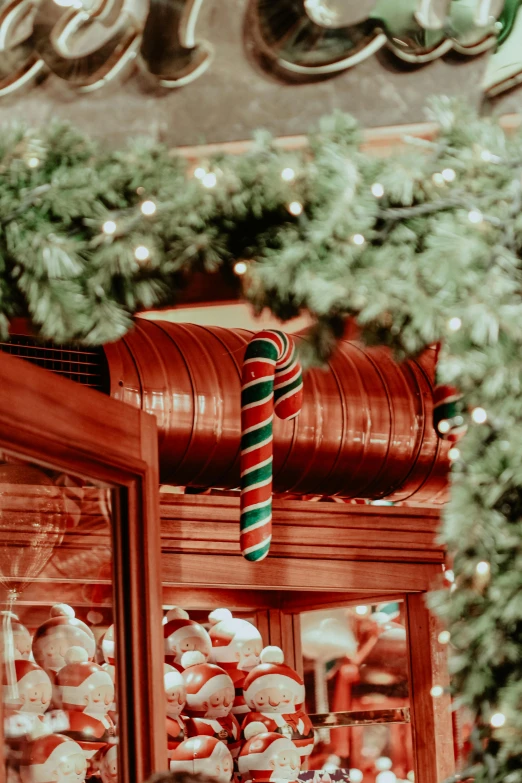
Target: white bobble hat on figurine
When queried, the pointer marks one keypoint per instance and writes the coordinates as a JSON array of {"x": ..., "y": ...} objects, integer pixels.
[
  {"x": 57, "y": 635},
  {"x": 53, "y": 758},
  {"x": 181, "y": 635},
  {"x": 267, "y": 756},
  {"x": 205, "y": 756},
  {"x": 234, "y": 641}
]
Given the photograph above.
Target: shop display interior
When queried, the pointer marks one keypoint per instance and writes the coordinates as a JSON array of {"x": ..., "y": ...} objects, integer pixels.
[{"x": 60, "y": 656}]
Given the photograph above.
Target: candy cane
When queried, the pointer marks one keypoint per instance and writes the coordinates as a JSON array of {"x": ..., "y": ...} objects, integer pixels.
[{"x": 272, "y": 381}]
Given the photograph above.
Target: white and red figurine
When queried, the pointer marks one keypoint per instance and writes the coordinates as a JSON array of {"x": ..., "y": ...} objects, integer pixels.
[
  {"x": 57, "y": 635},
  {"x": 19, "y": 636},
  {"x": 86, "y": 692},
  {"x": 236, "y": 647},
  {"x": 267, "y": 756},
  {"x": 176, "y": 698},
  {"x": 53, "y": 759},
  {"x": 205, "y": 756},
  {"x": 275, "y": 693},
  {"x": 210, "y": 697},
  {"x": 181, "y": 635}
]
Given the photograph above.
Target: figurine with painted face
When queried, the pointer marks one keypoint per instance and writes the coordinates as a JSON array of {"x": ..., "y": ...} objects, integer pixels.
[
  {"x": 181, "y": 635},
  {"x": 87, "y": 693},
  {"x": 236, "y": 647},
  {"x": 267, "y": 756},
  {"x": 53, "y": 759},
  {"x": 205, "y": 756},
  {"x": 275, "y": 693},
  {"x": 57, "y": 635},
  {"x": 108, "y": 764},
  {"x": 176, "y": 697},
  {"x": 27, "y": 692},
  {"x": 210, "y": 696},
  {"x": 19, "y": 645},
  {"x": 108, "y": 647}
]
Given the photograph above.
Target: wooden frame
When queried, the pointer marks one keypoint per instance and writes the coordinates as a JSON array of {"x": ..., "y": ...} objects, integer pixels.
[
  {"x": 345, "y": 555},
  {"x": 56, "y": 422}
]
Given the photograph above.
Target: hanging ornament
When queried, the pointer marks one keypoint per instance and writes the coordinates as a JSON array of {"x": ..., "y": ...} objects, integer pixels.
[
  {"x": 271, "y": 381},
  {"x": 448, "y": 416}
]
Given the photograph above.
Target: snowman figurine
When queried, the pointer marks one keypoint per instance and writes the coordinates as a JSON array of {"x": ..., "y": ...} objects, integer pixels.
[
  {"x": 27, "y": 696},
  {"x": 176, "y": 697},
  {"x": 57, "y": 635},
  {"x": 181, "y": 635},
  {"x": 205, "y": 756},
  {"x": 87, "y": 693},
  {"x": 236, "y": 647},
  {"x": 21, "y": 639},
  {"x": 275, "y": 693},
  {"x": 267, "y": 756},
  {"x": 53, "y": 759},
  {"x": 210, "y": 697}
]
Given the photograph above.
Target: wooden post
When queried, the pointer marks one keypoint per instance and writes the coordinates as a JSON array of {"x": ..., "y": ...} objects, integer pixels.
[{"x": 430, "y": 715}]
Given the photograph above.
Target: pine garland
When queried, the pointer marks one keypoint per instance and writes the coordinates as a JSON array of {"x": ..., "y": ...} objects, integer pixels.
[{"x": 420, "y": 247}]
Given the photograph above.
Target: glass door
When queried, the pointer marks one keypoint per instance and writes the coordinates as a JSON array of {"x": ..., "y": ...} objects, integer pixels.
[{"x": 80, "y": 584}]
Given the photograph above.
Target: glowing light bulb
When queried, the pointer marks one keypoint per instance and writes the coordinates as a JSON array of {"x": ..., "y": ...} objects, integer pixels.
[
  {"x": 141, "y": 253},
  {"x": 483, "y": 568},
  {"x": 383, "y": 763},
  {"x": 358, "y": 239},
  {"x": 454, "y": 324},
  {"x": 109, "y": 227},
  {"x": 362, "y": 610},
  {"x": 377, "y": 190},
  {"x": 288, "y": 175},
  {"x": 475, "y": 216},
  {"x": 448, "y": 175},
  {"x": 148, "y": 207},
  {"x": 438, "y": 179},
  {"x": 437, "y": 691},
  {"x": 355, "y": 776},
  {"x": 209, "y": 180},
  {"x": 240, "y": 268},
  {"x": 497, "y": 720},
  {"x": 479, "y": 415},
  {"x": 386, "y": 777},
  {"x": 33, "y": 163},
  {"x": 444, "y": 637},
  {"x": 443, "y": 426},
  {"x": 200, "y": 172},
  {"x": 449, "y": 576},
  {"x": 295, "y": 208},
  {"x": 454, "y": 454}
]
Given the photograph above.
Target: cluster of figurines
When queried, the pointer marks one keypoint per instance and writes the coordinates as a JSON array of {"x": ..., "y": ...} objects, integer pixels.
[{"x": 232, "y": 707}]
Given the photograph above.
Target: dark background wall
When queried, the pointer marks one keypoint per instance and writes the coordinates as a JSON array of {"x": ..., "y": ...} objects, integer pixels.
[{"x": 235, "y": 96}]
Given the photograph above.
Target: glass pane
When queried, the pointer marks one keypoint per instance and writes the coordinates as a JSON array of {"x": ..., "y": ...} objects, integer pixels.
[
  {"x": 355, "y": 660},
  {"x": 60, "y": 713}
]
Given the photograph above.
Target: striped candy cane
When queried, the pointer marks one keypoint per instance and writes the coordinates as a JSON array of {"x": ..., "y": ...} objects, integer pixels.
[{"x": 272, "y": 381}]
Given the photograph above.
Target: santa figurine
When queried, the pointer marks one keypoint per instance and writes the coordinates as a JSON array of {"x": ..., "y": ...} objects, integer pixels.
[
  {"x": 53, "y": 759},
  {"x": 57, "y": 635},
  {"x": 108, "y": 648},
  {"x": 181, "y": 635},
  {"x": 205, "y": 756},
  {"x": 176, "y": 697},
  {"x": 236, "y": 647},
  {"x": 108, "y": 764},
  {"x": 20, "y": 639},
  {"x": 267, "y": 756},
  {"x": 275, "y": 693},
  {"x": 27, "y": 696},
  {"x": 87, "y": 693},
  {"x": 210, "y": 696}
]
